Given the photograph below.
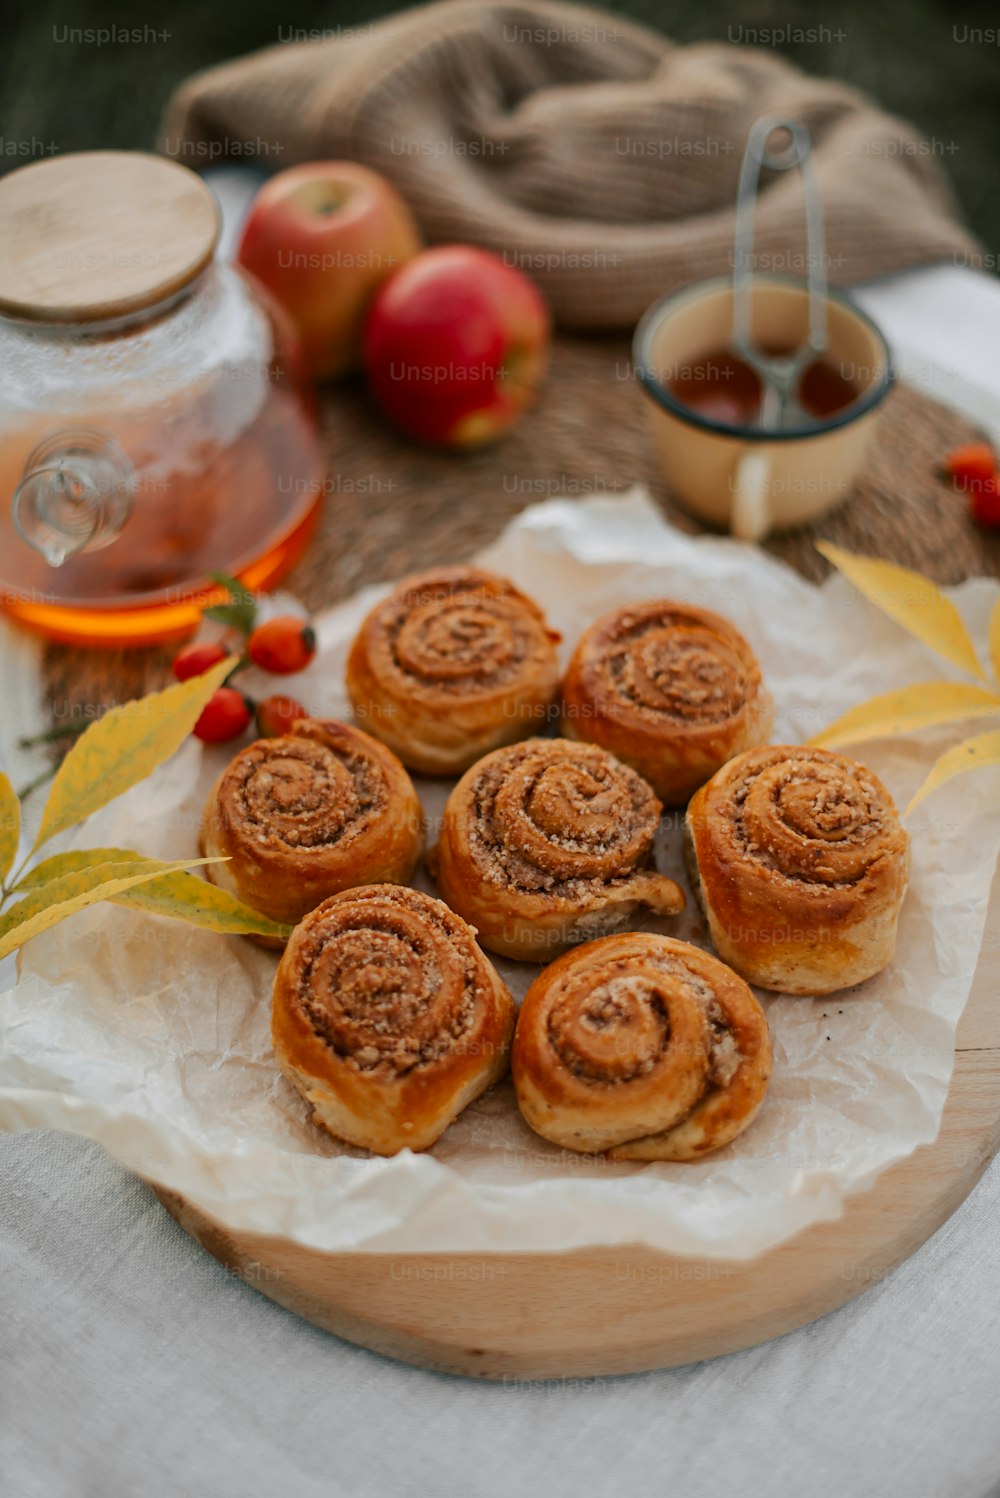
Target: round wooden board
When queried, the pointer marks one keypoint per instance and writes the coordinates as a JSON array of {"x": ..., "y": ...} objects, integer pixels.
[{"x": 623, "y": 1310}]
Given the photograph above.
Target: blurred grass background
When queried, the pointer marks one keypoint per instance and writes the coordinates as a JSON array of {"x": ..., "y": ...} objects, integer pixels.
[{"x": 915, "y": 56}]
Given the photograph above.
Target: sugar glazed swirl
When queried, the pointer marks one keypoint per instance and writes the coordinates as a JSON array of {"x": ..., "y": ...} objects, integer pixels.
[
  {"x": 454, "y": 663},
  {"x": 547, "y": 843},
  {"x": 671, "y": 689},
  {"x": 388, "y": 1018},
  {"x": 800, "y": 863},
  {"x": 641, "y": 1046},
  {"x": 300, "y": 817}
]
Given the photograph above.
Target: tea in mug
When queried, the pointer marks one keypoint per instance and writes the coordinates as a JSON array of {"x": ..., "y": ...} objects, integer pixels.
[{"x": 723, "y": 387}]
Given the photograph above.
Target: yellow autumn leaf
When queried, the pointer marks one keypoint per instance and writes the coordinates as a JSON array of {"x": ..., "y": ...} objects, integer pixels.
[
  {"x": 984, "y": 749},
  {"x": 63, "y": 897},
  {"x": 10, "y": 825},
  {"x": 912, "y": 600},
  {"x": 994, "y": 638},
  {"x": 907, "y": 708},
  {"x": 72, "y": 877},
  {"x": 123, "y": 747},
  {"x": 69, "y": 863},
  {"x": 181, "y": 896},
  {"x": 185, "y": 897}
]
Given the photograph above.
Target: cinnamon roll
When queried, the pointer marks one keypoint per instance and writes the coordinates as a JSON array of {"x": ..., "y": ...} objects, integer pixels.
[
  {"x": 800, "y": 862},
  {"x": 642, "y": 1046},
  {"x": 388, "y": 1018},
  {"x": 453, "y": 663},
  {"x": 671, "y": 689},
  {"x": 546, "y": 844},
  {"x": 321, "y": 809}
]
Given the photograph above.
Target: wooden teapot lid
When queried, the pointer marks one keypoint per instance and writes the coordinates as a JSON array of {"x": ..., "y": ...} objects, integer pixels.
[{"x": 100, "y": 234}]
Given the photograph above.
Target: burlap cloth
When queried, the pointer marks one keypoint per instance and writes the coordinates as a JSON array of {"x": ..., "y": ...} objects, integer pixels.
[{"x": 588, "y": 150}]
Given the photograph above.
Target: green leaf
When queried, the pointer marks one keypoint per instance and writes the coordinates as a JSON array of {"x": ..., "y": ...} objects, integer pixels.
[
  {"x": 10, "y": 826},
  {"x": 971, "y": 754},
  {"x": 912, "y": 600},
  {"x": 123, "y": 747},
  {"x": 63, "y": 897},
  {"x": 241, "y": 612},
  {"x": 918, "y": 706},
  {"x": 181, "y": 896}
]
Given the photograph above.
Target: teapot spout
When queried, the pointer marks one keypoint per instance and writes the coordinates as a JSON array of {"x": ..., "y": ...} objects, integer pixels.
[{"x": 75, "y": 495}]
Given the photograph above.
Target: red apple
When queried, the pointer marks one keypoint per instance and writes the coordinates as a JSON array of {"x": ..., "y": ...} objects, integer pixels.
[
  {"x": 322, "y": 238},
  {"x": 454, "y": 345}
]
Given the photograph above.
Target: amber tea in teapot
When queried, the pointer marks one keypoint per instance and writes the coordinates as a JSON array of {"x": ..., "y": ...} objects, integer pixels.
[{"x": 155, "y": 426}]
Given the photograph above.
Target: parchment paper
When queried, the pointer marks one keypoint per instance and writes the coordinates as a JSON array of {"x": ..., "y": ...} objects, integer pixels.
[{"x": 153, "y": 1038}]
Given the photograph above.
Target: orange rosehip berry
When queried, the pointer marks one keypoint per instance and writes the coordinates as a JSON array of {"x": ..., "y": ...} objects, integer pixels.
[
  {"x": 971, "y": 465},
  {"x": 984, "y": 502},
  {"x": 275, "y": 716},
  {"x": 282, "y": 645},
  {"x": 225, "y": 715},
  {"x": 194, "y": 659}
]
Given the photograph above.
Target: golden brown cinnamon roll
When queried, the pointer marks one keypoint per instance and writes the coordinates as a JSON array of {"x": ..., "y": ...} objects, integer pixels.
[
  {"x": 388, "y": 1018},
  {"x": 642, "y": 1046},
  {"x": 800, "y": 862},
  {"x": 545, "y": 844},
  {"x": 453, "y": 663},
  {"x": 670, "y": 689},
  {"x": 321, "y": 809}
]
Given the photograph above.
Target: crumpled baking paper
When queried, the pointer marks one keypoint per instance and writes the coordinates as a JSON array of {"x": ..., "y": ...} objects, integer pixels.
[{"x": 153, "y": 1037}]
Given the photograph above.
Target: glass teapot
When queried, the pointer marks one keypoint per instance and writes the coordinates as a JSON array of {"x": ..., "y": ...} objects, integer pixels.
[{"x": 155, "y": 425}]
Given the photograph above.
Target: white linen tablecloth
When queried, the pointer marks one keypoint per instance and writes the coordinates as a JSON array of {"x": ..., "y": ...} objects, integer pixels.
[{"x": 132, "y": 1365}]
